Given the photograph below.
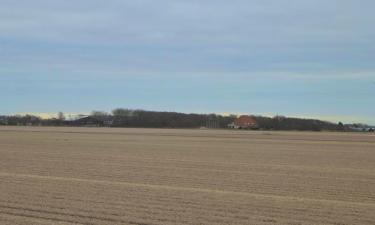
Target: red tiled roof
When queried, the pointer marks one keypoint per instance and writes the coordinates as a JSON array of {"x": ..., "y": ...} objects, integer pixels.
[{"x": 245, "y": 121}]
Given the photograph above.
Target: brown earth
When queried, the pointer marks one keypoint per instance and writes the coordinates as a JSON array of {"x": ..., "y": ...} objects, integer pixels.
[{"x": 165, "y": 176}]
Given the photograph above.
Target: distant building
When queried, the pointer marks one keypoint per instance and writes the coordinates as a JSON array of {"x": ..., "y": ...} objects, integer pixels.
[
  {"x": 361, "y": 128},
  {"x": 93, "y": 121},
  {"x": 244, "y": 122}
]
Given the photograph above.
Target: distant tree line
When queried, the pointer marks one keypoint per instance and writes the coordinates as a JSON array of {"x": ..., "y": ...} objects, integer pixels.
[
  {"x": 288, "y": 123},
  {"x": 152, "y": 119},
  {"x": 30, "y": 120}
]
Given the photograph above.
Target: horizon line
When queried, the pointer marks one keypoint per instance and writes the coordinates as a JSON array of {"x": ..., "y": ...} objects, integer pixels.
[{"x": 325, "y": 118}]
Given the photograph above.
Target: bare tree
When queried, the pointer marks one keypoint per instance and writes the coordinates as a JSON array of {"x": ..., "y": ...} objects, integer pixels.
[
  {"x": 60, "y": 116},
  {"x": 99, "y": 114},
  {"x": 123, "y": 112}
]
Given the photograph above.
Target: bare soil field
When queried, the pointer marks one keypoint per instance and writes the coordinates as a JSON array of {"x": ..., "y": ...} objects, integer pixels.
[{"x": 166, "y": 176}]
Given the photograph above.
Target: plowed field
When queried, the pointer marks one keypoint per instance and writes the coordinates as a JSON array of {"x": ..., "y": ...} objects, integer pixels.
[{"x": 166, "y": 176}]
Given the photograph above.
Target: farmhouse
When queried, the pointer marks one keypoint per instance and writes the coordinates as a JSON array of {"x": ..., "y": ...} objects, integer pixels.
[
  {"x": 94, "y": 121},
  {"x": 244, "y": 122}
]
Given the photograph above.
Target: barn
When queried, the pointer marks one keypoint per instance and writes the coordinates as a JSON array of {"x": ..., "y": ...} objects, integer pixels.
[
  {"x": 244, "y": 122},
  {"x": 94, "y": 121}
]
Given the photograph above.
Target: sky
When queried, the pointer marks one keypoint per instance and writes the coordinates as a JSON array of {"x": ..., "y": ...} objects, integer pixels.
[{"x": 303, "y": 58}]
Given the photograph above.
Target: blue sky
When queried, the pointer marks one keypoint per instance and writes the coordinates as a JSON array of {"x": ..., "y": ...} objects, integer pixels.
[{"x": 289, "y": 57}]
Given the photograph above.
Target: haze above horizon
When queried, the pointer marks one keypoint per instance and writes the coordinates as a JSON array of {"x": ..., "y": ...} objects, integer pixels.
[{"x": 295, "y": 58}]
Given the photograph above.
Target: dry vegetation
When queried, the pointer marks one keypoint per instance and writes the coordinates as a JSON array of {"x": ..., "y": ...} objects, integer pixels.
[{"x": 153, "y": 176}]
